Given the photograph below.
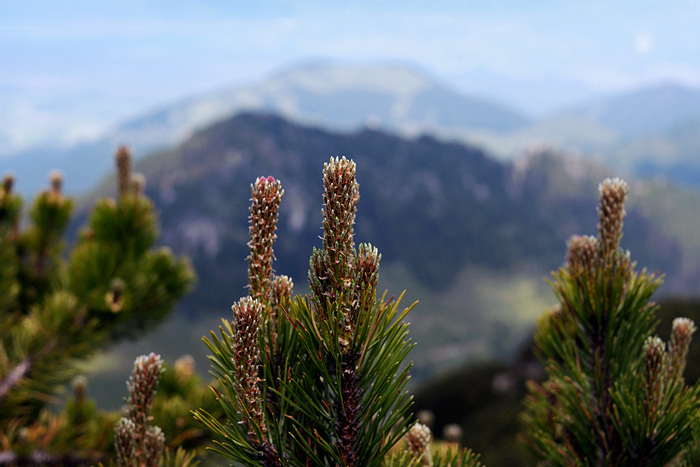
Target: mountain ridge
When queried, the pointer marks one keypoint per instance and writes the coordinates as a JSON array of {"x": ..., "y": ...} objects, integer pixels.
[
  {"x": 393, "y": 96},
  {"x": 634, "y": 132},
  {"x": 467, "y": 235}
]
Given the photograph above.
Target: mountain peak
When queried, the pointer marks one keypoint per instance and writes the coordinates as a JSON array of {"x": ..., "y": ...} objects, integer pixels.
[{"x": 325, "y": 77}]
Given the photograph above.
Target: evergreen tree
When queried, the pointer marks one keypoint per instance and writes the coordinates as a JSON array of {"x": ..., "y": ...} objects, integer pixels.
[
  {"x": 317, "y": 379},
  {"x": 615, "y": 394},
  {"x": 57, "y": 310}
]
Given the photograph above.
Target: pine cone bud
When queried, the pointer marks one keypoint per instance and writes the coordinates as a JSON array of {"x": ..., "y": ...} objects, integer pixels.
[
  {"x": 319, "y": 280},
  {"x": 142, "y": 387},
  {"x": 124, "y": 442},
  {"x": 281, "y": 290},
  {"x": 56, "y": 180},
  {"x": 341, "y": 193},
  {"x": 611, "y": 213},
  {"x": 80, "y": 389},
  {"x": 246, "y": 357},
  {"x": 154, "y": 446},
  {"x": 53, "y": 195},
  {"x": 366, "y": 267},
  {"x": 267, "y": 195},
  {"x": 581, "y": 254},
  {"x": 8, "y": 182},
  {"x": 123, "y": 158},
  {"x": 654, "y": 373},
  {"x": 681, "y": 336},
  {"x": 418, "y": 439}
]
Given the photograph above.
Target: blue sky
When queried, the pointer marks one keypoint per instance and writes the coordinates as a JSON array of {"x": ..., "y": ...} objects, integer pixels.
[{"x": 70, "y": 69}]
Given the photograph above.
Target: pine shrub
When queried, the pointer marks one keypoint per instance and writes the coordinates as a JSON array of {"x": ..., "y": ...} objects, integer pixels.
[
  {"x": 58, "y": 309},
  {"x": 318, "y": 379},
  {"x": 615, "y": 394}
]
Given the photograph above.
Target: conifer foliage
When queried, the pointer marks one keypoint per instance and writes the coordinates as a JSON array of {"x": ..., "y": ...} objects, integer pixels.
[
  {"x": 317, "y": 379},
  {"x": 57, "y": 310},
  {"x": 137, "y": 443},
  {"x": 615, "y": 394}
]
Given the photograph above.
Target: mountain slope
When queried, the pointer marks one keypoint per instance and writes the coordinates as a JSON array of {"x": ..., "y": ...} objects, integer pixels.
[
  {"x": 650, "y": 110},
  {"x": 468, "y": 236},
  {"x": 335, "y": 96}
]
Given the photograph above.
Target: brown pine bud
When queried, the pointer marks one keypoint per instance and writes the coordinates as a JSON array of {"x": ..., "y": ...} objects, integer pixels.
[
  {"x": 247, "y": 313},
  {"x": 340, "y": 197},
  {"x": 281, "y": 289},
  {"x": 331, "y": 271},
  {"x": 581, "y": 254},
  {"x": 418, "y": 439},
  {"x": 154, "y": 446},
  {"x": 367, "y": 270},
  {"x": 611, "y": 213},
  {"x": 123, "y": 158},
  {"x": 56, "y": 180},
  {"x": 54, "y": 195},
  {"x": 681, "y": 335},
  {"x": 654, "y": 374},
  {"x": 267, "y": 194},
  {"x": 79, "y": 389},
  {"x": 366, "y": 267},
  {"x": 319, "y": 280},
  {"x": 138, "y": 444},
  {"x": 142, "y": 387},
  {"x": 124, "y": 442},
  {"x": 8, "y": 181}
]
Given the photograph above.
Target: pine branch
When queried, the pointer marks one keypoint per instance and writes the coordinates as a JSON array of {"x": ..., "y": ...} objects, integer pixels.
[{"x": 56, "y": 312}]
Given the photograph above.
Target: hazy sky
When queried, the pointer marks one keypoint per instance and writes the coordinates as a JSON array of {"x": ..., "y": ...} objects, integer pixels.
[{"x": 72, "y": 68}]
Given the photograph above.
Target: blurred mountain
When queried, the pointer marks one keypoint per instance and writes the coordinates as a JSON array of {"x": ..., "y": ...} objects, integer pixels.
[
  {"x": 652, "y": 132},
  {"x": 469, "y": 236},
  {"x": 651, "y": 110},
  {"x": 646, "y": 133},
  {"x": 673, "y": 154},
  {"x": 657, "y": 132},
  {"x": 397, "y": 98},
  {"x": 608, "y": 124}
]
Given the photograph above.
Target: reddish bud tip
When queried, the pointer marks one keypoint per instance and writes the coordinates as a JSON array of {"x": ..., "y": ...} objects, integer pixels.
[{"x": 264, "y": 180}]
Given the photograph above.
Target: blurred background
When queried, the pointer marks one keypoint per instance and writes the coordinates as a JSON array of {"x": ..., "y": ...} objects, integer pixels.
[{"x": 480, "y": 130}]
